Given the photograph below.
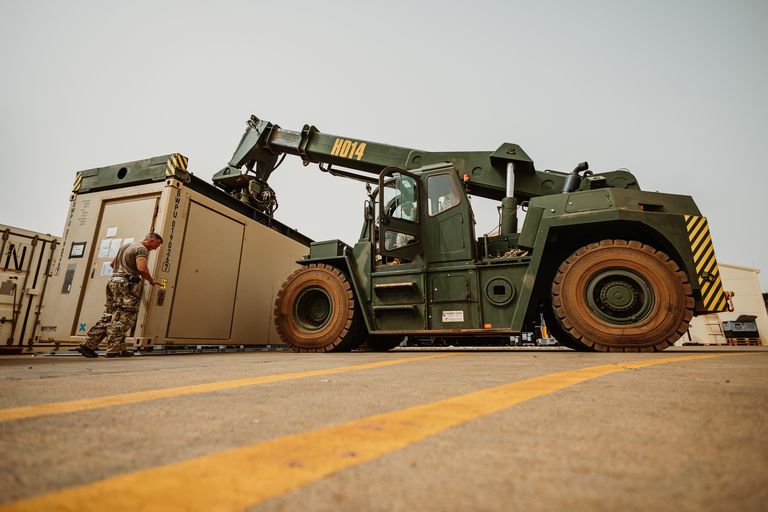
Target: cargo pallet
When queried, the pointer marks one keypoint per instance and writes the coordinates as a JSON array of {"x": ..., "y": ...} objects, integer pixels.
[{"x": 744, "y": 341}]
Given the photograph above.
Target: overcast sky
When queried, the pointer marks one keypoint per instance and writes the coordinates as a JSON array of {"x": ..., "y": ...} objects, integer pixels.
[{"x": 675, "y": 91}]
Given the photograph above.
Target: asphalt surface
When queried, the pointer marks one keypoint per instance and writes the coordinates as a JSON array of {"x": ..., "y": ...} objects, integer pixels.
[{"x": 685, "y": 429}]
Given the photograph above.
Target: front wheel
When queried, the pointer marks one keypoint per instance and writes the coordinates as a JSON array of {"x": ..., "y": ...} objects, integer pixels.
[
  {"x": 556, "y": 331},
  {"x": 315, "y": 311},
  {"x": 622, "y": 296}
]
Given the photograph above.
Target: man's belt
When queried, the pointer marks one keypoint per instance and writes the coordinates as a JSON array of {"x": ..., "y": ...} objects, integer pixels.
[{"x": 126, "y": 277}]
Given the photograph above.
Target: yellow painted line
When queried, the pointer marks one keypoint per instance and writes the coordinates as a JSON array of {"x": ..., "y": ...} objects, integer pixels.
[
  {"x": 243, "y": 477},
  {"x": 31, "y": 411}
]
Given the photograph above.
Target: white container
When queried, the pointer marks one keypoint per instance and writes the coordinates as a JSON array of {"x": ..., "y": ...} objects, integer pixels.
[{"x": 24, "y": 260}]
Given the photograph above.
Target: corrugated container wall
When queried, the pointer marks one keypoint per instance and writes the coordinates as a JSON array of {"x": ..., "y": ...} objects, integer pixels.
[
  {"x": 221, "y": 263},
  {"x": 25, "y": 258}
]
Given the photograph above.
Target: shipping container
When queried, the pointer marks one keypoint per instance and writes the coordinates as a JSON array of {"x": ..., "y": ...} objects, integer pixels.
[
  {"x": 25, "y": 257},
  {"x": 720, "y": 328},
  {"x": 220, "y": 266}
]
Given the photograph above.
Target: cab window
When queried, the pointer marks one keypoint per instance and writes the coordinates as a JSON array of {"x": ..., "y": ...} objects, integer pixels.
[
  {"x": 400, "y": 198},
  {"x": 442, "y": 193}
]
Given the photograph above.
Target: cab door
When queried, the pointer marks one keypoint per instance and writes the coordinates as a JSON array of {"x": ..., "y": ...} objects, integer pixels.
[
  {"x": 400, "y": 230},
  {"x": 398, "y": 286},
  {"x": 122, "y": 220},
  {"x": 448, "y": 230},
  {"x": 448, "y": 240}
]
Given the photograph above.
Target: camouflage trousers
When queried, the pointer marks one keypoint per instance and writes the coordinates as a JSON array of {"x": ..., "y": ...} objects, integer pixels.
[{"x": 119, "y": 317}]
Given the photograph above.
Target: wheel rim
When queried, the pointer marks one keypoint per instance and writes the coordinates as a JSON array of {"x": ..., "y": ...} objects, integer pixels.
[
  {"x": 313, "y": 309},
  {"x": 619, "y": 296}
]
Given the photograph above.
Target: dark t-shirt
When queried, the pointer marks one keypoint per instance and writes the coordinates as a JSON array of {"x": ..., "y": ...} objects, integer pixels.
[{"x": 125, "y": 260}]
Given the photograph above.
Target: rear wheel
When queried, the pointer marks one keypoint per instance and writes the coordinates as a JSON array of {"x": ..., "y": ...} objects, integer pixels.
[
  {"x": 315, "y": 311},
  {"x": 621, "y": 296}
]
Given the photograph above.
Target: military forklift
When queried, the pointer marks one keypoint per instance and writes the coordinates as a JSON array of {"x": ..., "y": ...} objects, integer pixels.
[{"x": 609, "y": 266}]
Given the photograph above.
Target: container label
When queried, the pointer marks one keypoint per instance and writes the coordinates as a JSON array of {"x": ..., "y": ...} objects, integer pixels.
[
  {"x": 166, "y": 266},
  {"x": 65, "y": 237},
  {"x": 18, "y": 259},
  {"x": 453, "y": 316}
]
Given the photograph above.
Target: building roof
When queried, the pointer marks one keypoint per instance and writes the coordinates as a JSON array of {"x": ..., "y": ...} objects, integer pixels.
[{"x": 739, "y": 267}]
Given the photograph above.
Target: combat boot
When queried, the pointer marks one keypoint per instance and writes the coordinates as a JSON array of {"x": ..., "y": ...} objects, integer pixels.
[{"x": 87, "y": 351}]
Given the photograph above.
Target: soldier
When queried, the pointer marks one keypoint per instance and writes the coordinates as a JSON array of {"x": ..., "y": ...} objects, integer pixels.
[
  {"x": 123, "y": 297},
  {"x": 448, "y": 201},
  {"x": 408, "y": 212}
]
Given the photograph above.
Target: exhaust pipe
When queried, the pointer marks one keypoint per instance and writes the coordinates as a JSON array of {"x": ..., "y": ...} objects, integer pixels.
[{"x": 573, "y": 180}]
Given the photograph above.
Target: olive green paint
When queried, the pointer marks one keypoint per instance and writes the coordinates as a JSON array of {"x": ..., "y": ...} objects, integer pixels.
[{"x": 446, "y": 279}]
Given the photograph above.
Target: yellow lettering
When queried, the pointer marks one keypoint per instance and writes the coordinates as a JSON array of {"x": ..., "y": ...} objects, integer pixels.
[
  {"x": 348, "y": 149},
  {"x": 360, "y": 151},
  {"x": 336, "y": 147},
  {"x": 345, "y": 148}
]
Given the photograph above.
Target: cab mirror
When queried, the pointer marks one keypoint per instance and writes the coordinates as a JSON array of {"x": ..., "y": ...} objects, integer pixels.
[{"x": 368, "y": 211}]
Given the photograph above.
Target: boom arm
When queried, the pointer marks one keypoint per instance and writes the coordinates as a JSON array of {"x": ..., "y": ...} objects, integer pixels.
[{"x": 485, "y": 174}]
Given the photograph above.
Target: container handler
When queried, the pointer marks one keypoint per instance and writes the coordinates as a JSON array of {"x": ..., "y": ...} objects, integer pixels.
[{"x": 609, "y": 266}]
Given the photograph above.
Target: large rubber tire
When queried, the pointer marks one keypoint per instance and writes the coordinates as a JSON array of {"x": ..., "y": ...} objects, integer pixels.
[
  {"x": 622, "y": 296},
  {"x": 315, "y": 311},
  {"x": 557, "y": 332},
  {"x": 383, "y": 342}
]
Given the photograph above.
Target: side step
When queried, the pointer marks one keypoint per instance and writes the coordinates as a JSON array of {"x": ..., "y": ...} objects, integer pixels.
[
  {"x": 395, "y": 307},
  {"x": 394, "y": 286}
]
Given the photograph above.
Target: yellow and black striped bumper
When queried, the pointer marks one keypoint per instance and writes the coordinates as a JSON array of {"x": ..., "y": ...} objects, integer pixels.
[
  {"x": 78, "y": 182},
  {"x": 177, "y": 166},
  {"x": 712, "y": 293}
]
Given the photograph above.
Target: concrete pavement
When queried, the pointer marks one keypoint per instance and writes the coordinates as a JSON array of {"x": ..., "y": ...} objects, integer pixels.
[{"x": 405, "y": 430}]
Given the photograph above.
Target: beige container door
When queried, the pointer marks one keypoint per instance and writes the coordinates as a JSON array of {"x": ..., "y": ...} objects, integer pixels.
[
  {"x": 206, "y": 283},
  {"x": 715, "y": 334},
  {"x": 120, "y": 220}
]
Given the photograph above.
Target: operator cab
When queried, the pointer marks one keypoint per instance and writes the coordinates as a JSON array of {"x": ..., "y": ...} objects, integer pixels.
[{"x": 422, "y": 215}]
